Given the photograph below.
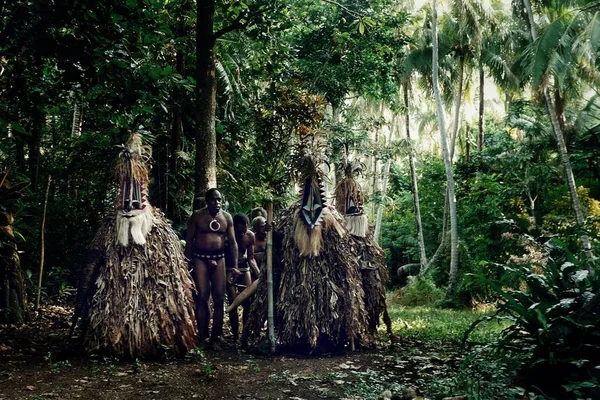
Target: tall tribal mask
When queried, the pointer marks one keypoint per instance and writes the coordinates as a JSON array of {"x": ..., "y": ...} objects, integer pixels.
[
  {"x": 134, "y": 212},
  {"x": 314, "y": 217},
  {"x": 349, "y": 200}
]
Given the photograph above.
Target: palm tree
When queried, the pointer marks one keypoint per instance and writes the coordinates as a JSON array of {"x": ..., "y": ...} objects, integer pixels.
[
  {"x": 414, "y": 181},
  {"x": 453, "y": 274},
  {"x": 552, "y": 54}
]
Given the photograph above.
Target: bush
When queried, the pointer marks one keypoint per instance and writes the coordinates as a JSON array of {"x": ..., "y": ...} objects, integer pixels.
[
  {"x": 555, "y": 315},
  {"x": 419, "y": 292}
]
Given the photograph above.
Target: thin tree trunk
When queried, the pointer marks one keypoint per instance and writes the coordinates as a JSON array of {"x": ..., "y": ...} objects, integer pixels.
[
  {"x": 455, "y": 127},
  {"x": 453, "y": 274},
  {"x": 444, "y": 237},
  {"x": 559, "y": 106},
  {"x": 480, "y": 137},
  {"x": 176, "y": 134},
  {"x": 467, "y": 144},
  {"x": 562, "y": 147},
  {"x": 42, "y": 244},
  {"x": 336, "y": 117},
  {"x": 375, "y": 173},
  {"x": 384, "y": 183},
  {"x": 270, "y": 298},
  {"x": 33, "y": 144},
  {"x": 206, "y": 98},
  {"x": 77, "y": 120},
  {"x": 414, "y": 184}
]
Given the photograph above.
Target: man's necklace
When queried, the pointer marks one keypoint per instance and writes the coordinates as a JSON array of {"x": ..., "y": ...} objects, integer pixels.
[{"x": 214, "y": 225}]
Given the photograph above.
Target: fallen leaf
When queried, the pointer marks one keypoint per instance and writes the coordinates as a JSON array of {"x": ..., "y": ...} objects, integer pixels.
[{"x": 30, "y": 387}]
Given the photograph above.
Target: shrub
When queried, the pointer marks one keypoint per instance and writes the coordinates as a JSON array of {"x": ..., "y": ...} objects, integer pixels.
[
  {"x": 555, "y": 315},
  {"x": 419, "y": 292}
]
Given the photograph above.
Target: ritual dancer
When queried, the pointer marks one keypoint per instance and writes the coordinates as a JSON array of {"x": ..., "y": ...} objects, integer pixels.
[
  {"x": 319, "y": 300},
  {"x": 239, "y": 278},
  {"x": 349, "y": 202},
  {"x": 207, "y": 231},
  {"x": 135, "y": 293}
]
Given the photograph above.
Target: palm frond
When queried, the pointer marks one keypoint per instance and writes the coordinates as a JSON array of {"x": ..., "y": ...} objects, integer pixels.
[{"x": 544, "y": 49}]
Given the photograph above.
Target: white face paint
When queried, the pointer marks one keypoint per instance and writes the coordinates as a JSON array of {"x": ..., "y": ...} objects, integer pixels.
[{"x": 134, "y": 224}]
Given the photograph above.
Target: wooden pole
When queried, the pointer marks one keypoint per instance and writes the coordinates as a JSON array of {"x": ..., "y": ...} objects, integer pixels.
[
  {"x": 39, "y": 292},
  {"x": 240, "y": 298},
  {"x": 270, "y": 313}
]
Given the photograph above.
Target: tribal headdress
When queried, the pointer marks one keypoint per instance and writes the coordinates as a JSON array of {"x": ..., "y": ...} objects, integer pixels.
[
  {"x": 314, "y": 214},
  {"x": 134, "y": 213},
  {"x": 349, "y": 199}
]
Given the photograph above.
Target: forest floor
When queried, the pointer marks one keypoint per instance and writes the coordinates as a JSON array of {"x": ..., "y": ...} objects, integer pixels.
[{"x": 38, "y": 362}]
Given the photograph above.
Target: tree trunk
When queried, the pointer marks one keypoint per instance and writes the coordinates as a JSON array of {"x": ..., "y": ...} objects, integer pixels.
[
  {"x": 467, "y": 143},
  {"x": 12, "y": 293},
  {"x": 562, "y": 148},
  {"x": 375, "y": 176},
  {"x": 77, "y": 120},
  {"x": 337, "y": 118},
  {"x": 176, "y": 135},
  {"x": 33, "y": 147},
  {"x": 453, "y": 274},
  {"x": 461, "y": 68},
  {"x": 384, "y": 183},
  {"x": 414, "y": 184},
  {"x": 480, "y": 137},
  {"x": 559, "y": 106},
  {"x": 206, "y": 99}
]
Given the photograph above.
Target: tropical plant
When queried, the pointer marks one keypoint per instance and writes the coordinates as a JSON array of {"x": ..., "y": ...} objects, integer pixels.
[{"x": 553, "y": 305}]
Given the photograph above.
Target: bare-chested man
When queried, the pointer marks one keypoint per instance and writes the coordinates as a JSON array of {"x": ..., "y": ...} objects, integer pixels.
[
  {"x": 205, "y": 246},
  {"x": 239, "y": 278},
  {"x": 260, "y": 229}
]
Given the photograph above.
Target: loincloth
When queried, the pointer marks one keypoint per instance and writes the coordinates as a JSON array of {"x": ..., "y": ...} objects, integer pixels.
[
  {"x": 210, "y": 257},
  {"x": 243, "y": 267}
]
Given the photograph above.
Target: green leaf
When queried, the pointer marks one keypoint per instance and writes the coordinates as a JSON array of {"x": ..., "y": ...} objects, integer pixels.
[
  {"x": 595, "y": 32},
  {"x": 19, "y": 128},
  {"x": 514, "y": 304},
  {"x": 119, "y": 63},
  {"x": 542, "y": 319},
  {"x": 545, "y": 48},
  {"x": 361, "y": 27}
]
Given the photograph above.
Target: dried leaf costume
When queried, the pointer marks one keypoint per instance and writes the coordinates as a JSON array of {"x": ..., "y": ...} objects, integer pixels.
[
  {"x": 371, "y": 258},
  {"x": 319, "y": 298},
  {"x": 135, "y": 293}
]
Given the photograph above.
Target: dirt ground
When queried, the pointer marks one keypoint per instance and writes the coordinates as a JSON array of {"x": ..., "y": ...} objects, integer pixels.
[{"x": 37, "y": 362}]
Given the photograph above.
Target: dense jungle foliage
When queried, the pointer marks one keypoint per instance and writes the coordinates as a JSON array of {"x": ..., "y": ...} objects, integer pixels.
[{"x": 77, "y": 77}]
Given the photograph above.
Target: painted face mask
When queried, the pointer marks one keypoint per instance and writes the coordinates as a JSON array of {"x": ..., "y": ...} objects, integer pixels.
[{"x": 134, "y": 217}]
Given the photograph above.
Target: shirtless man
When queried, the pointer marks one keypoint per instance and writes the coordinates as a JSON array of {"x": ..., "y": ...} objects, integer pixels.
[
  {"x": 205, "y": 247},
  {"x": 239, "y": 278},
  {"x": 259, "y": 228}
]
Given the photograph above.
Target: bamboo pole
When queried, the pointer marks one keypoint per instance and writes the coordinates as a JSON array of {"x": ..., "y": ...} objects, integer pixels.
[
  {"x": 270, "y": 313},
  {"x": 39, "y": 292}
]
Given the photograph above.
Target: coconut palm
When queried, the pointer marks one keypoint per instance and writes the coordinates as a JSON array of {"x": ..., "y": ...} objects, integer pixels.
[
  {"x": 453, "y": 274},
  {"x": 550, "y": 58}
]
